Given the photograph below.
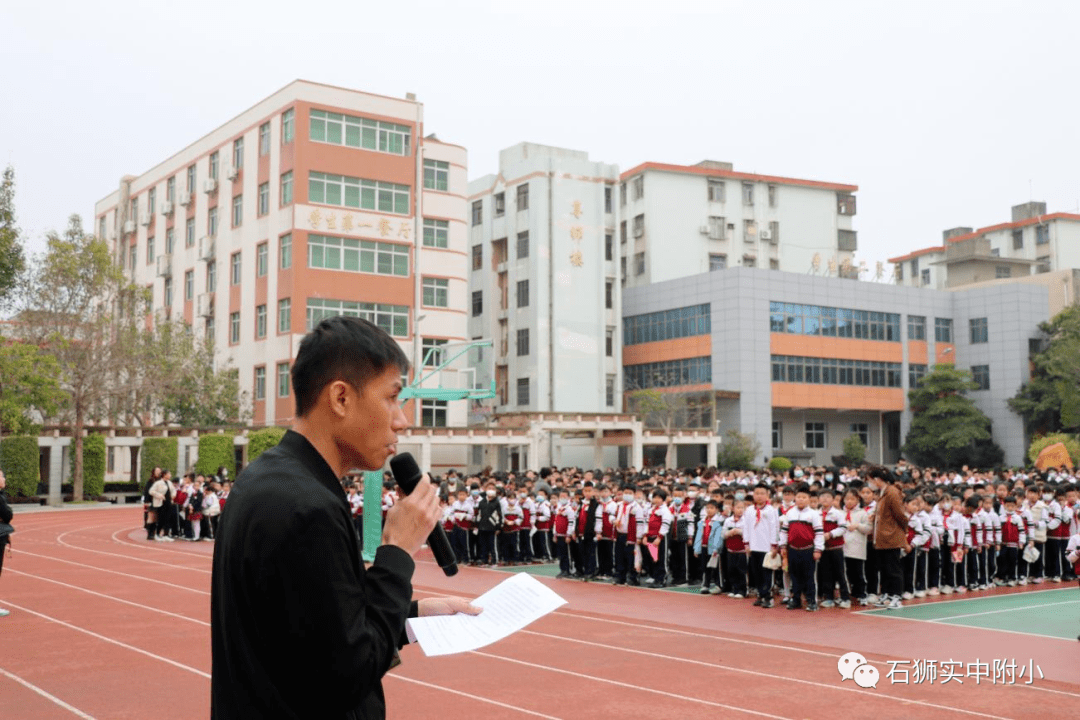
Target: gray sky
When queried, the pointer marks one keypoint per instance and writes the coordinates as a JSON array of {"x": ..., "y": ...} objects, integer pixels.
[{"x": 943, "y": 113}]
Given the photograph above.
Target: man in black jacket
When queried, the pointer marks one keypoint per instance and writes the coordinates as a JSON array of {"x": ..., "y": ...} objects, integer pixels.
[
  {"x": 299, "y": 628},
  {"x": 5, "y": 529}
]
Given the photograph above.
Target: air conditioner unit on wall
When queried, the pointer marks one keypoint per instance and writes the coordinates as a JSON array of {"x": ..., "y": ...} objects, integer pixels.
[
  {"x": 206, "y": 248},
  {"x": 185, "y": 198},
  {"x": 704, "y": 229},
  {"x": 166, "y": 208},
  {"x": 147, "y": 218},
  {"x": 233, "y": 173},
  {"x": 209, "y": 185},
  {"x": 204, "y": 305},
  {"x": 164, "y": 265},
  {"x": 766, "y": 235},
  {"x": 129, "y": 227}
]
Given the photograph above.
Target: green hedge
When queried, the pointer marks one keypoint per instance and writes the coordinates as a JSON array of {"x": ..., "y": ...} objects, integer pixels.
[
  {"x": 215, "y": 451},
  {"x": 259, "y": 441},
  {"x": 19, "y": 460},
  {"x": 93, "y": 465},
  {"x": 780, "y": 464},
  {"x": 162, "y": 452}
]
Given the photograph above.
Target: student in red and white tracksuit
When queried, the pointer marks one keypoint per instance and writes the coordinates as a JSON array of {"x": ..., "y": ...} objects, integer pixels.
[
  {"x": 831, "y": 571},
  {"x": 1013, "y": 539},
  {"x": 802, "y": 541},
  {"x": 604, "y": 528},
  {"x": 508, "y": 538},
  {"x": 627, "y": 514},
  {"x": 541, "y": 539},
  {"x": 656, "y": 531},
  {"x": 461, "y": 510},
  {"x": 737, "y": 550},
  {"x": 565, "y": 522},
  {"x": 528, "y": 513}
]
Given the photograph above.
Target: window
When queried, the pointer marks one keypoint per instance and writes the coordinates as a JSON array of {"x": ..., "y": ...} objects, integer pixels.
[
  {"x": 215, "y": 162},
  {"x": 748, "y": 193},
  {"x": 168, "y": 292},
  {"x": 238, "y": 153},
  {"x": 477, "y": 303},
  {"x": 749, "y": 261},
  {"x": 345, "y": 191},
  {"x": 211, "y": 276},
  {"x": 638, "y": 187},
  {"x": 264, "y": 198},
  {"x": 133, "y": 210},
  {"x": 981, "y": 375},
  {"x": 1042, "y": 234},
  {"x": 916, "y": 327},
  {"x": 133, "y": 254},
  {"x": 670, "y": 373},
  {"x": 212, "y": 222},
  {"x": 150, "y": 202},
  {"x": 436, "y": 292},
  {"x": 234, "y": 269},
  {"x": 364, "y": 256},
  {"x": 523, "y": 342},
  {"x": 916, "y": 372},
  {"x": 286, "y": 188},
  {"x": 777, "y": 435},
  {"x": 260, "y": 383},
  {"x": 1018, "y": 239},
  {"x": 523, "y": 391},
  {"x": 1002, "y": 271},
  {"x": 500, "y": 204},
  {"x": 284, "y": 315},
  {"x": 260, "y": 321},
  {"x": 264, "y": 139},
  {"x": 262, "y": 259},
  {"x": 436, "y": 175},
  {"x": 774, "y": 231},
  {"x": 234, "y": 328},
  {"x": 862, "y": 431},
  {"x": 394, "y": 319},
  {"x": 622, "y": 270},
  {"x": 436, "y": 233},
  {"x": 477, "y": 212},
  {"x": 924, "y": 277},
  {"x": 717, "y": 262},
  {"x": 189, "y": 285},
  {"x": 288, "y": 126},
  {"x": 833, "y": 322},
  {"x": 609, "y": 391},
  {"x": 432, "y": 351},
  {"x": 609, "y": 342},
  {"x": 523, "y": 196},
  {"x": 478, "y": 257},
  {"x": 609, "y": 294},
  {"x": 978, "y": 328},
  {"x": 237, "y": 210},
  {"x": 835, "y": 371},
  {"x": 639, "y": 225},
  {"x": 607, "y": 199},
  {"x": 717, "y": 227},
  {"x": 149, "y": 250},
  {"x": 523, "y": 245},
  {"x": 283, "y": 380},
  {"x": 1043, "y": 264},
  {"x": 943, "y": 330},
  {"x": 609, "y": 246},
  {"x": 622, "y": 194},
  {"x": 667, "y": 325},
  {"x": 170, "y": 241},
  {"x": 191, "y": 179},
  {"x": 716, "y": 191},
  {"x": 749, "y": 230},
  {"x": 433, "y": 413},
  {"x": 523, "y": 293},
  {"x": 622, "y": 231},
  {"x": 285, "y": 251},
  {"x": 772, "y": 196},
  {"x": 209, "y": 330},
  {"x": 639, "y": 263},
  {"x": 357, "y": 132},
  {"x": 170, "y": 189},
  {"x": 815, "y": 435}
]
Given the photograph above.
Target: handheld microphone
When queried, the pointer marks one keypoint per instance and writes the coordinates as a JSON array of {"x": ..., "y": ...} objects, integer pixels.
[{"x": 407, "y": 474}]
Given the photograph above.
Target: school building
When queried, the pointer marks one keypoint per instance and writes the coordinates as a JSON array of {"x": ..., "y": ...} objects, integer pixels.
[{"x": 802, "y": 362}]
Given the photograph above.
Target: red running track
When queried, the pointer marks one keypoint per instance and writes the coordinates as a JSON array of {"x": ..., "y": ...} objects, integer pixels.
[{"x": 105, "y": 625}]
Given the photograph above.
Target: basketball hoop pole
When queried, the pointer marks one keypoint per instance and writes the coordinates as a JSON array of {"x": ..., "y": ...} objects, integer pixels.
[{"x": 373, "y": 480}]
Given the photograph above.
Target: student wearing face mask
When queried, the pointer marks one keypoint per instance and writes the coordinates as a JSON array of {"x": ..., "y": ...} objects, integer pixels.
[
  {"x": 604, "y": 528},
  {"x": 627, "y": 515},
  {"x": 695, "y": 564},
  {"x": 475, "y": 495},
  {"x": 489, "y": 521},
  {"x": 565, "y": 521},
  {"x": 541, "y": 539},
  {"x": 528, "y": 515}
]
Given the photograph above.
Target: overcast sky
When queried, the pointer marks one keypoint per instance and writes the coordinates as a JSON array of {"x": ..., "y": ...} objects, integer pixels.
[{"x": 943, "y": 113}]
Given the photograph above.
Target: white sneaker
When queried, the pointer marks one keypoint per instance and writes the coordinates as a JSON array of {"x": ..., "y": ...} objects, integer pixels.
[
  {"x": 827, "y": 604},
  {"x": 844, "y": 604},
  {"x": 737, "y": 596},
  {"x": 4, "y": 613},
  {"x": 907, "y": 595},
  {"x": 714, "y": 590},
  {"x": 933, "y": 592},
  {"x": 961, "y": 589},
  {"x": 895, "y": 604},
  {"x": 1012, "y": 583},
  {"x": 920, "y": 593},
  {"x": 1055, "y": 579},
  {"x": 871, "y": 599},
  {"x": 885, "y": 601},
  {"x": 1023, "y": 581},
  {"x": 1038, "y": 580},
  {"x": 946, "y": 590}
]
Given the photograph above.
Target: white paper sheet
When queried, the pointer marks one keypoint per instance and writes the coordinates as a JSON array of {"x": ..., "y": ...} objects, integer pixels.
[{"x": 508, "y": 607}]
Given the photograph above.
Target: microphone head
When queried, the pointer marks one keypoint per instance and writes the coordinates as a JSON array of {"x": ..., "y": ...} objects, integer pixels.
[{"x": 403, "y": 465}]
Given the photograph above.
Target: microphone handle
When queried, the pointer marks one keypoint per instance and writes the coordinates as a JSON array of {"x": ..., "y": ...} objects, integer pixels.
[{"x": 440, "y": 548}]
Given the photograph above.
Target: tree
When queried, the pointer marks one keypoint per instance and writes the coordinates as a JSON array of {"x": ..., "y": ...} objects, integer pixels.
[
  {"x": 71, "y": 297},
  {"x": 854, "y": 450},
  {"x": 200, "y": 395},
  {"x": 12, "y": 261},
  {"x": 29, "y": 390},
  {"x": 738, "y": 451},
  {"x": 1050, "y": 401},
  {"x": 660, "y": 409},
  {"x": 947, "y": 430}
]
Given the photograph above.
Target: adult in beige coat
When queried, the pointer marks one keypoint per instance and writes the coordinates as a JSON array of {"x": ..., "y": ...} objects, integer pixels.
[{"x": 890, "y": 535}]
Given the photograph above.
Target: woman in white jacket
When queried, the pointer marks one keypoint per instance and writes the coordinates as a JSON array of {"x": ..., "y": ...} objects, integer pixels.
[{"x": 858, "y": 528}]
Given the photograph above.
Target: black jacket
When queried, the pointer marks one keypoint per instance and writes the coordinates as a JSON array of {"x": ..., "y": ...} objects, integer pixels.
[
  {"x": 299, "y": 629},
  {"x": 5, "y": 517}
]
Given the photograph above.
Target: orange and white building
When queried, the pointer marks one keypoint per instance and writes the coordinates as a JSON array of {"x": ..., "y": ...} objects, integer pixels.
[{"x": 317, "y": 201}]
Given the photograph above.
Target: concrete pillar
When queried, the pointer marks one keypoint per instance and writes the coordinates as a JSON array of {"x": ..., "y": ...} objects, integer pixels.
[
  {"x": 598, "y": 449},
  {"x": 534, "y": 448},
  {"x": 637, "y": 453},
  {"x": 714, "y": 448},
  {"x": 425, "y": 454},
  {"x": 56, "y": 476}
]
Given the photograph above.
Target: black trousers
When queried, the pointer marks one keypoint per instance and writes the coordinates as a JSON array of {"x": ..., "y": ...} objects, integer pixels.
[
  {"x": 678, "y": 561},
  {"x": 541, "y": 545},
  {"x": 892, "y": 576},
  {"x": 486, "y": 550},
  {"x": 587, "y": 548},
  {"x": 605, "y": 554},
  {"x": 1007, "y": 563},
  {"x": 562, "y": 553},
  {"x": 474, "y": 546},
  {"x": 656, "y": 569},
  {"x": 624, "y": 560},
  {"x": 695, "y": 566},
  {"x": 831, "y": 573},
  {"x": 524, "y": 546},
  {"x": 856, "y": 575},
  {"x": 871, "y": 568},
  {"x": 3, "y": 551},
  {"x": 760, "y": 578},
  {"x": 801, "y": 569},
  {"x": 508, "y": 549},
  {"x": 1055, "y": 553},
  {"x": 459, "y": 541},
  {"x": 735, "y": 572}
]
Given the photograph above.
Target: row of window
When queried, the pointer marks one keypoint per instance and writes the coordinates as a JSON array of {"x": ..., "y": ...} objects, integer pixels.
[
  {"x": 283, "y": 381},
  {"x": 668, "y": 324},
  {"x": 352, "y": 192},
  {"x": 394, "y": 319},
  {"x": 816, "y": 434},
  {"x": 498, "y": 203},
  {"x": 358, "y": 132},
  {"x": 835, "y": 371},
  {"x": 669, "y": 373},
  {"x": 833, "y": 322}
]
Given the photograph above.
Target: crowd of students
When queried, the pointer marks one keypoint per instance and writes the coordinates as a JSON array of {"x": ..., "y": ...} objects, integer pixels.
[
  {"x": 184, "y": 510},
  {"x": 810, "y": 533}
]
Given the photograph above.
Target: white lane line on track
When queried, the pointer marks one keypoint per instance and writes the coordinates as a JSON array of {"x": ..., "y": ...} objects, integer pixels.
[
  {"x": 48, "y": 696},
  {"x": 471, "y": 696},
  {"x": 60, "y": 540},
  {"x": 114, "y": 572}
]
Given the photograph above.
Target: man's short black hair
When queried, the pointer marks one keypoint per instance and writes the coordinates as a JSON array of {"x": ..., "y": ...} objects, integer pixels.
[{"x": 342, "y": 348}]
